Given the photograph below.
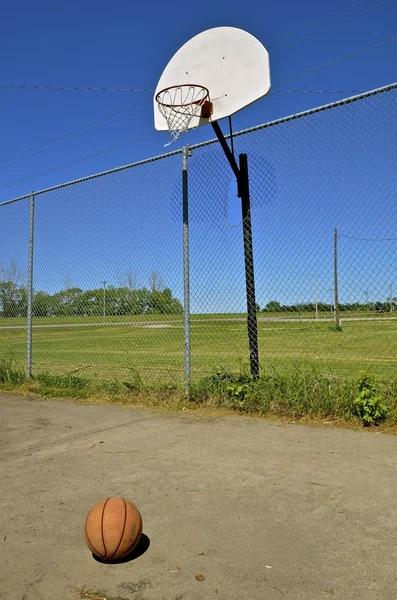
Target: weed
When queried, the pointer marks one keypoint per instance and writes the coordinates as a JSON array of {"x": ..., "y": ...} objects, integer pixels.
[
  {"x": 62, "y": 381},
  {"x": 369, "y": 403},
  {"x": 296, "y": 394},
  {"x": 112, "y": 387},
  {"x": 9, "y": 373},
  {"x": 335, "y": 327},
  {"x": 60, "y": 386},
  {"x": 301, "y": 391},
  {"x": 135, "y": 382}
]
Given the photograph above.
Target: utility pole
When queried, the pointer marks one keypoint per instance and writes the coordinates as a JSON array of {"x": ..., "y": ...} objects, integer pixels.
[
  {"x": 330, "y": 291},
  {"x": 316, "y": 294},
  {"x": 104, "y": 301},
  {"x": 336, "y": 283}
]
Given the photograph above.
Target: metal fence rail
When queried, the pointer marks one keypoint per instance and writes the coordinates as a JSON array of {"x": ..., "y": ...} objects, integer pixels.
[{"x": 140, "y": 270}]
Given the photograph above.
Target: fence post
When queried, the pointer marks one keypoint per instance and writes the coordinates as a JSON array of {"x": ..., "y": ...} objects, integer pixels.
[
  {"x": 244, "y": 194},
  {"x": 30, "y": 289},
  {"x": 186, "y": 152},
  {"x": 104, "y": 302},
  {"x": 336, "y": 289}
]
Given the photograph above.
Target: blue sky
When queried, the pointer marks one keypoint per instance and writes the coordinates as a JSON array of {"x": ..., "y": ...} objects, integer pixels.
[{"x": 127, "y": 46}]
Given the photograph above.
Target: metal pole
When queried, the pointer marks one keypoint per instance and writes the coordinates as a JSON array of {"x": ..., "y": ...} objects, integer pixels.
[
  {"x": 186, "y": 152},
  {"x": 336, "y": 290},
  {"x": 30, "y": 290},
  {"x": 391, "y": 297},
  {"x": 316, "y": 294},
  {"x": 242, "y": 176},
  {"x": 244, "y": 194},
  {"x": 104, "y": 301}
]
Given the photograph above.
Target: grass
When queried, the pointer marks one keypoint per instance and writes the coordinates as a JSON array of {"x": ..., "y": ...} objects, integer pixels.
[
  {"x": 155, "y": 346},
  {"x": 83, "y": 592},
  {"x": 300, "y": 393},
  {"x": 297, "y": 394},
  {"x": 308, "y": 368},
  {"x": 10, "y": 375},
  {"x": 98, "y": 319}
]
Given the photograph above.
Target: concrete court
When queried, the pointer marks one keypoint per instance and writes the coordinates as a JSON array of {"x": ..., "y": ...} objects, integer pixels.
[{"x": 256, "y": 509}]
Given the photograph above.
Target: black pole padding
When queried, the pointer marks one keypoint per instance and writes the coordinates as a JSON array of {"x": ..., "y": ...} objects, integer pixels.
[
  {"x": 242, "y": 177},
  {"x": 243, "y": 182}
]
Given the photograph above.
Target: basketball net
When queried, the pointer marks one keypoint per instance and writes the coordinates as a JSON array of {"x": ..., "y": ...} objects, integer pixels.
[{"x": 179, "y": 104}]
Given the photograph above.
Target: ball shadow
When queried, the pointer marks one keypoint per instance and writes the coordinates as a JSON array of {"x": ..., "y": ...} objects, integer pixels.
[{"x": 141, "y": 548}]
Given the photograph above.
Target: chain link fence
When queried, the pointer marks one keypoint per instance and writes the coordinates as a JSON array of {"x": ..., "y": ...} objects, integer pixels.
[{"x": 111, "y": 272}]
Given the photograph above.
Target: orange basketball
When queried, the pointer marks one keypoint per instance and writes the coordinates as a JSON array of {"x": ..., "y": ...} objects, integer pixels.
[{"x": 113, "y": 528}]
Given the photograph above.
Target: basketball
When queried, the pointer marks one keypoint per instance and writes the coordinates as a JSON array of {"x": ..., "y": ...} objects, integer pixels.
[{"x": 113, "y": 528}]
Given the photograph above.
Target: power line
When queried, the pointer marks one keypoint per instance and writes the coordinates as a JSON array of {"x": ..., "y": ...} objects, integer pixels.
[
  {"x": 72, "y": 89},
  {"x": 298, "y": 76},
  {"x": 312, "y": 23},
  {"x": 59, "y": 137},
  {"x": 148, "y": 90},
  {"x": 70, "y": 139},
  {"x": 78, "y": 160},
  {"x": 128, "y": 141},
  {"x": 337, "y": 23},
  {"x": 317, "y": 91},
  {"x": 307, "y": 26},
  {"x": 338, "y": 60},
  {"x": 128, "y": 115},
  {"x": 367, "y": 239}
]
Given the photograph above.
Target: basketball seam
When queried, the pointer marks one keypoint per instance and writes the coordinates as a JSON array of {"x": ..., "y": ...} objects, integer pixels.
[
  {"x": 138, "y": 537},
  {"x": 122, "y": 534},
  {"x": 103, "y": 537}
]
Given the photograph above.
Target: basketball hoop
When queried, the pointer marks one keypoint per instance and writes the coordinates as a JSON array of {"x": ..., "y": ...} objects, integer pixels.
[{"x": 179, "y": 104}]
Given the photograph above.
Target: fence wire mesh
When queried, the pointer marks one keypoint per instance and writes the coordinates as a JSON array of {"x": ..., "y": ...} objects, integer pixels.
[
  {"x": 108, "y": 256},
  {"x": 14, "y": 248},
  {"x": 329, "y": 170}
]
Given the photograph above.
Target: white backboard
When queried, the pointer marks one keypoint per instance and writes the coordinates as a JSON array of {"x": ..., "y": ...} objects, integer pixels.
[{"x": 230, "y": 62}]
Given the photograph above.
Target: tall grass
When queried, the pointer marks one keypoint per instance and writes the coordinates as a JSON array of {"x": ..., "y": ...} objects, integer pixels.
[
  {"x": 10, "y": 373},
  {"x": 299, "y": 393},
  {"x": 296, "y": 393}
]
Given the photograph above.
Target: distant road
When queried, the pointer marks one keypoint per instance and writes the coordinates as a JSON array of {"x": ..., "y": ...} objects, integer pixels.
[
  {"x": 159, "y": 324},
  {"x": 163, "y": 324}
]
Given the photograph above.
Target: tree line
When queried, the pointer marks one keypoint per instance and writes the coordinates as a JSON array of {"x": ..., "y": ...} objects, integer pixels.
[
  {"x": 112, "y": 300},
  {"x": 378, "y": 306}
]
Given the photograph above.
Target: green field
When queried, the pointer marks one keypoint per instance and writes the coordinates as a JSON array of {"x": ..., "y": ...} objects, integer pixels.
[{"x": 153, "y": 345}]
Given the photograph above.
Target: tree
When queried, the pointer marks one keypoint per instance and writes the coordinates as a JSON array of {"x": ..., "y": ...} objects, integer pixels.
[
  {"x": 163, "y": 303},
  {"x": 156, "y": 282},
  {"x": 68, "y": 283},
  {"x": 91, "y": 302},
  {"x": 273, "y": 306},
  {"x": 11, "y": 273},
  {"x": 74, "y": 301},
  {"x": 43, "y": 305},
  {"x": 138, "y": 301},
  {"x": 10, "y": 299},
  {"x": 13, "y": 295},
  {"x": 67, "y": 302},
  {"x": 127, "y": 280}
]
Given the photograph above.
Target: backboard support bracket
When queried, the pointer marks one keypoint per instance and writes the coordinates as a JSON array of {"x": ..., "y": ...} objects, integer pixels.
[{"x": 242, "y": 176}]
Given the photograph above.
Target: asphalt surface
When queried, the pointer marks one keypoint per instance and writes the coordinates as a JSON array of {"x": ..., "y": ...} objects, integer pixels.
[{"x": 255, "y": 509}]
